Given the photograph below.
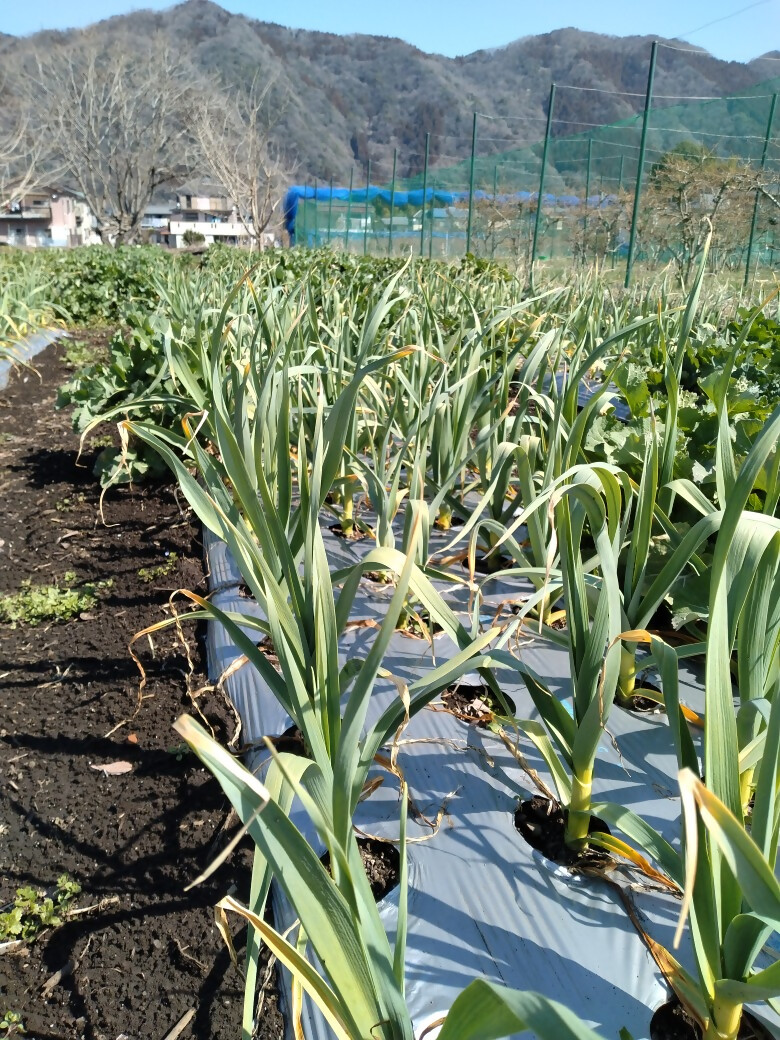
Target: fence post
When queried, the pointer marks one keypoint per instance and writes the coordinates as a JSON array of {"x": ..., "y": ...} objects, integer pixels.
[
  {"x": 330, "y": 209},
  {"x": 425, "y": 188},
  {"x": 349, "y": 210},
  {"x": 495, "y": 212},
  {"x": 538, "y": 220},
  {"x": 433, "y": 218},
  {"x": 587, "y": 196},
  {"x": 471, "y": 183},
  {"x": 303, "y": 220},
  {"x": 641, "y": 162},
  {"x": 767, "y": 139},
  {"x": 365, "y": 214},
  {"x": 392, "y": 205}
]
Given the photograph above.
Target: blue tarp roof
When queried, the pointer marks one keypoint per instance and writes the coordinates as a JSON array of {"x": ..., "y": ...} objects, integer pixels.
[{"x": 413, "y": 198}]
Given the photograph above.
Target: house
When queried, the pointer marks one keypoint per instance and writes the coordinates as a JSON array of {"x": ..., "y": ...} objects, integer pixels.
[
  {"x": 155, "y": 223},
  {"x": 49, "y": 216},
  {"x": 204, "y": 208},
  {"x": 56, "y": 216}
]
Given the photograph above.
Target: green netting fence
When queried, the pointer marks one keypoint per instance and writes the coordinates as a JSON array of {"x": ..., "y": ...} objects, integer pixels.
[{"x": 704, "y": 162}]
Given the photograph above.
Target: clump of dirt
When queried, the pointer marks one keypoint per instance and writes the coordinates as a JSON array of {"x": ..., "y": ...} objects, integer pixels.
[
  {"x": 475, "y": 703},
  {"x": 543, "y": 823}
]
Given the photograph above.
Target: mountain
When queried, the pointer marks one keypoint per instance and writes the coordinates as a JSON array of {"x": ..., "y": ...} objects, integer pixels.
[{"x": 344, "y": 99}]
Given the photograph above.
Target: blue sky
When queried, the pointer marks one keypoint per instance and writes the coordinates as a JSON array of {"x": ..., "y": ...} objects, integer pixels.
[{"x": 733, "y": 29}]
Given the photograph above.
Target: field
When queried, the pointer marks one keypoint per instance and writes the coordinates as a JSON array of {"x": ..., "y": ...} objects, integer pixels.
[{"x": 470, "y": 596}]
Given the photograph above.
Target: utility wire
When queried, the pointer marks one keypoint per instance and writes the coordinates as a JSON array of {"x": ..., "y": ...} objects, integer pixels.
[{"x": 723, "y": 18}]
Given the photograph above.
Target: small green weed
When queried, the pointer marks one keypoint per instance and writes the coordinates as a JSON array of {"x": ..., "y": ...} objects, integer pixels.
[
  {"x": 11, "y": 1024},
  {"x": 63, "y": 505},
  {"x": 105, "y": 440},
  {"x": 34, "y": 604},
  {"x": 33, "y": 910},
  {"x": 79, "y": 353},
  {"x": 178, "y": 750},
  {"x": 150, "y": 574}
]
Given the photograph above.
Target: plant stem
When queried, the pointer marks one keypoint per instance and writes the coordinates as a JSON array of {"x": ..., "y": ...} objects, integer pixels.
[
  {"x": 746, "y": 787},
  {"x": 444, "y": 519},
  {"x": 347, "y": 512},
  {"x": 724, "y": 1021},
  {"x": 627, "y": 676},
  {"x": 578, "y": 821}
]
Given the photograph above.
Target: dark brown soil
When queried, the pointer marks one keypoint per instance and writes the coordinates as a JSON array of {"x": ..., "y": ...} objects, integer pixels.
[
  {"x": 382, "y": 864},
  {"x": 671, "y": 1022},
  {"x": 542, "y": 823},
  {"x": 475, "y": 704},
  {"x": 144, "y": 953}
]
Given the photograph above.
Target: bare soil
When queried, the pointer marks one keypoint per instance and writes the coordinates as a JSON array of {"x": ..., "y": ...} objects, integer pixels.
[{"x": 144, "y": 953}]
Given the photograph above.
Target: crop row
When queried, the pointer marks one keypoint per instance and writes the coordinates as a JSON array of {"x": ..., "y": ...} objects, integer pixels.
[{"x": 617, "y": 459}]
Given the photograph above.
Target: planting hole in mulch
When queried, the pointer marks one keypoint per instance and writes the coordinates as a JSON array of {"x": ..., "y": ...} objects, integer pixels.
[
  {"x": 558, "y": 621},
  {"x": 382, "y": 863},
  {"x": 476, "y": 703},
  {"x": 671, "y": 1022},
  {"x": 291, "y": 742},
  {"x": 644, "y": 705},
  {"x": 380, "y": 577},
  {"x": 418, "y": 624},
  {"x": 266, "y": 648},
  {"x": 542, "y": 823},
  {"x": 455, "y": 521},
  {"x": 354, "y": 534},
  {"x": 487, "y": 564}
]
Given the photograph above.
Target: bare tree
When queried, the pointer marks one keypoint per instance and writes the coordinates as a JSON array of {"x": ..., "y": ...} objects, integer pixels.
[
  {"x": 233, "y": 131},
  {"x": 115, "y": 119},
  {"x": 596, "y": 232},
  {"x": 21, "y": 151},
  {"x": 690, "y": 193},
  {"x": 504, "y": 223}
]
